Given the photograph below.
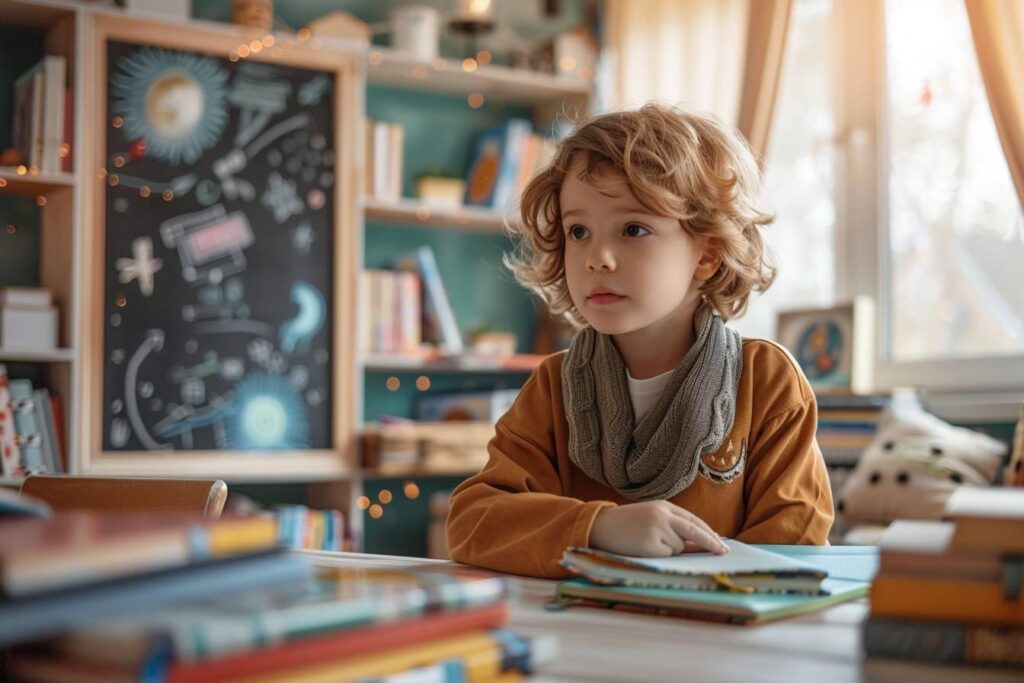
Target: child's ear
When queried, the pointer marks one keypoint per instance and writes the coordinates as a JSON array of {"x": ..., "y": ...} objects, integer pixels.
[{"x": 710, "y": 261}]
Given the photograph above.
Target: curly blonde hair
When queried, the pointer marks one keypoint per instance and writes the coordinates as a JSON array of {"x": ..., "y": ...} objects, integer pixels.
[{"x": 678, "y": 164}]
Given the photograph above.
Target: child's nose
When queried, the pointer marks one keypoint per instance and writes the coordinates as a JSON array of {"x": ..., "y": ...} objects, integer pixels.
[{"x": 600, "y": 257}]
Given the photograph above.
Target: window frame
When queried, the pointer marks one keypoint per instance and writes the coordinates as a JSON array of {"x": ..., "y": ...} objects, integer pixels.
[{"x": 862, "y": 182}]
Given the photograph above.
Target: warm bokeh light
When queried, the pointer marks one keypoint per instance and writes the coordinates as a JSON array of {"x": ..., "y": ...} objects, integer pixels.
[
  {"x": 384, "y": 496},
  {"x": 376, "y": 511},
  {"x": 412, "y": 491},
  {"x": 393, "y": 384},
  {"x": 422, "y": 382},
  {"x": 362, "y": 502}
]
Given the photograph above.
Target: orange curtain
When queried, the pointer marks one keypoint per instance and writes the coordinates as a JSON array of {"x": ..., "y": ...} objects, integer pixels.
[
  {"x": 767, "y": 26},
  {"x": 998, "y": 30}
]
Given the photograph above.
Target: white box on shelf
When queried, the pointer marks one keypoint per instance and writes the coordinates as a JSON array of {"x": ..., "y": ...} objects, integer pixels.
[
  {"x": 172, "y": 9},
  {"x": 25, "y": 297},
  {"x": 28, "y": 328}
]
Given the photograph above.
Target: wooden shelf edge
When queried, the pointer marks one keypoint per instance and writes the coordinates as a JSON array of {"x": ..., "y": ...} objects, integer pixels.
[
  {"x": 61, "y": 355},
  {"x": 395, "y": 363},
  {"x": 387, "y": 66},
  {"x": 415, "y": 212}
]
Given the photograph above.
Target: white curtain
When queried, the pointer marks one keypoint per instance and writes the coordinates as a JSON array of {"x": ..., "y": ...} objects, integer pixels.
[{"x": 683, "y": 52}]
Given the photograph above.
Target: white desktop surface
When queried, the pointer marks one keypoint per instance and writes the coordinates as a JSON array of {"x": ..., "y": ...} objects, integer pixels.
[{"x": 607, "y": 645}]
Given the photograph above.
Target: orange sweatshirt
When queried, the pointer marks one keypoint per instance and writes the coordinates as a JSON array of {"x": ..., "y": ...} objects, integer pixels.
[{"x": 531, "y": 501}]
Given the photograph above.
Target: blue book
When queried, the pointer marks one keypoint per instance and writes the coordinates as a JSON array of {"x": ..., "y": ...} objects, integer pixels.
[
  {"x": 438, "y": 319},
  {"x": 494, "y": 171},
  {"x": 28, "y": 425},
  {"x": 23, "y": 619}
]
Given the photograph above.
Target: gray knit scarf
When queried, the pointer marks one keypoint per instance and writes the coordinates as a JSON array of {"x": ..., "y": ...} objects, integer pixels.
[{"x": 659, "y": 457}]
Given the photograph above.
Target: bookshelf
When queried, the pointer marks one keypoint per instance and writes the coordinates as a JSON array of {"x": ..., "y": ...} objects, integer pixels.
[
  {"x": 429, "y": 99},
  {"x": 41, "y": 226}
]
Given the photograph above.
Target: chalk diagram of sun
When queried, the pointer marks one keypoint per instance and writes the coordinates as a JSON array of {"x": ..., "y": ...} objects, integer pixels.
[{"x": 173, "y": 100}]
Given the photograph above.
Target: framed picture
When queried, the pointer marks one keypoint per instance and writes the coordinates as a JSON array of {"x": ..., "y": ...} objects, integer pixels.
[
  {"x": 835, "y": 347},
  {"x": 220, "y": 260}
]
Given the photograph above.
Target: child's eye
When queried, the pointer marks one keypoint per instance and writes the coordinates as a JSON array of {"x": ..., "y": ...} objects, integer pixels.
[
  {"x": 577, "y": 232},
  {"x": 636, "y": 230}
]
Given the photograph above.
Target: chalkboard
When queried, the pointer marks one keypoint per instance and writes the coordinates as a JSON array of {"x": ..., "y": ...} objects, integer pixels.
[{"x": 219, "y": 210}]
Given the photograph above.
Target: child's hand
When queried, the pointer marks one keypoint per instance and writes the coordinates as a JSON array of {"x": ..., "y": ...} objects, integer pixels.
[{"x": 655, "y": 528}]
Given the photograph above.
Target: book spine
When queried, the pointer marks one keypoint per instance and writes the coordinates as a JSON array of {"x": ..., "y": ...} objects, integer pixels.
[
  {"x": 27, "y": 426},
  {"x": 438, "y": 298},
  {"x": 44, "y": 416},
  {"x": 951, "y": 643},
  {"x": 55, "y": 68},
  {"x": 10, "y": 453}
]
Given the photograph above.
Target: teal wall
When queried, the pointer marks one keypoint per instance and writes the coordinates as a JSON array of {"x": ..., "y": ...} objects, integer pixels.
[{"x": 19, "y": 252}]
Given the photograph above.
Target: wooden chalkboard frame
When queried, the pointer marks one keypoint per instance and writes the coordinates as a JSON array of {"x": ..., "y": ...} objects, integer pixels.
[{"x": 345, "y": 61}]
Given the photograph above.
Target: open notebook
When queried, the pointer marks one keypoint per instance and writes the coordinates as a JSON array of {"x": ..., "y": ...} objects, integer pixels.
[{"x": 744, "y": 569}]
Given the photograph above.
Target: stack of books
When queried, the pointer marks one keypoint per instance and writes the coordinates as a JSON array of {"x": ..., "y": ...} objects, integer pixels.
[
  {"x": 951, "y": 591},
  {"x": 300, "y": 527},
  {"x": 750, "y": 584},
  {"x": 93, "y": 597},
  {"x": 505, "y": 159},
  {"x": 846, "y": 426}
]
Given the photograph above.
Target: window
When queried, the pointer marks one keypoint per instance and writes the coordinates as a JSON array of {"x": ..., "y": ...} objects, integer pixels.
[
  {"x": 954, "y": 247},
  {"x": 888, "y": 179}
]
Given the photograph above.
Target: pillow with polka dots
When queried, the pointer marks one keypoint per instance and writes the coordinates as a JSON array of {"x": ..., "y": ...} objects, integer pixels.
[
  {"x": 912, "y": 466},
  {"x": 1015, "y": 470}
]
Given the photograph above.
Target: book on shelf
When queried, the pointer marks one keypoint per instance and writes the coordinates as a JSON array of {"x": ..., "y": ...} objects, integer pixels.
[
  {"x": 494, "y": 171},
  {"x": 438, "y": 319},
  {"x": 25, "y": 297},
  {"x": 10, "y": 452},
  {"x": 744, "y": 569},
  {"x": 40, "y": 114},
  {"x": 29, "y": 425},
  {"x": 453, "y": 446},
  {"x": 483, "y": 406},
  {"x": 301, "y": 527},
  {"x": 384, "y": 159},
  {"x": 849, "y": 572},
  {"x": 391, "y": 311}
]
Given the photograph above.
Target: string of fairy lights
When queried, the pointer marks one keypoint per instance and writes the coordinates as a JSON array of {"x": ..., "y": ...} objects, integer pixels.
[{"x": 375, "y": 510}]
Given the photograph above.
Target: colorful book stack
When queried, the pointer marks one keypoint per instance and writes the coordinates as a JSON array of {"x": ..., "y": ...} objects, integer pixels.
[
  {"x": 77, "y": 568},
  {"x": 846, "y": 426},
  {"x": 437, "y": 318},
  {"x": 392, "y": 311},
  {"x": 950, "y": 592},
  {"x": 505, "y": 158},
  {"x": 30, "y": 439},
  {"x": 422, "y": 624},
  {"x": 300, "y": 527}
]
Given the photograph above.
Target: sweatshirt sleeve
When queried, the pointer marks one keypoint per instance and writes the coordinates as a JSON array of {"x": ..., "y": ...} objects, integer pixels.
[
  {"x": 788, "y": 497},
  {"x": 513, "y": 515}
]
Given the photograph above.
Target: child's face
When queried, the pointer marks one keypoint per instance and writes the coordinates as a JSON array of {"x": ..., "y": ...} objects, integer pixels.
[{"x": 628, "y": 270}]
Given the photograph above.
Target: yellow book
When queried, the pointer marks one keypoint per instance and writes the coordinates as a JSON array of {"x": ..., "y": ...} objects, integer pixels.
[
  {"x": 481, "y": 655},
  {"x": 242, "y": 535}
]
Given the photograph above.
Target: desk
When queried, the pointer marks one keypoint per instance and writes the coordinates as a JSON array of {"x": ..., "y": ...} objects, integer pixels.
[{"x": 605, "y": 645}]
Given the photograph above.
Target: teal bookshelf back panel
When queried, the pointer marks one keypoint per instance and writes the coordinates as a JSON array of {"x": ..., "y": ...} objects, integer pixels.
[
  {"x": 19, "y": 50},
  {"x": 19, "y": 242},
  {"x": 402, "y": 529},
  {"x": 380, "y": 401}
]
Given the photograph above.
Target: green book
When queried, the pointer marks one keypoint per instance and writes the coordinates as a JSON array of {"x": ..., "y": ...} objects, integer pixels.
[{"x": 850, "y": 570}]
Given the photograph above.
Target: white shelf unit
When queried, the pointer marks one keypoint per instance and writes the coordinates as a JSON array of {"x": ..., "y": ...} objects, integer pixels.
[
  {"x": 59, "y": 197},
  {"x": 421, "y": 214}
]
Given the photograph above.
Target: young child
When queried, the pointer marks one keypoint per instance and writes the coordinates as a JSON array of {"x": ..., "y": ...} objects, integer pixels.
[{"x": 660, "y": 429}]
